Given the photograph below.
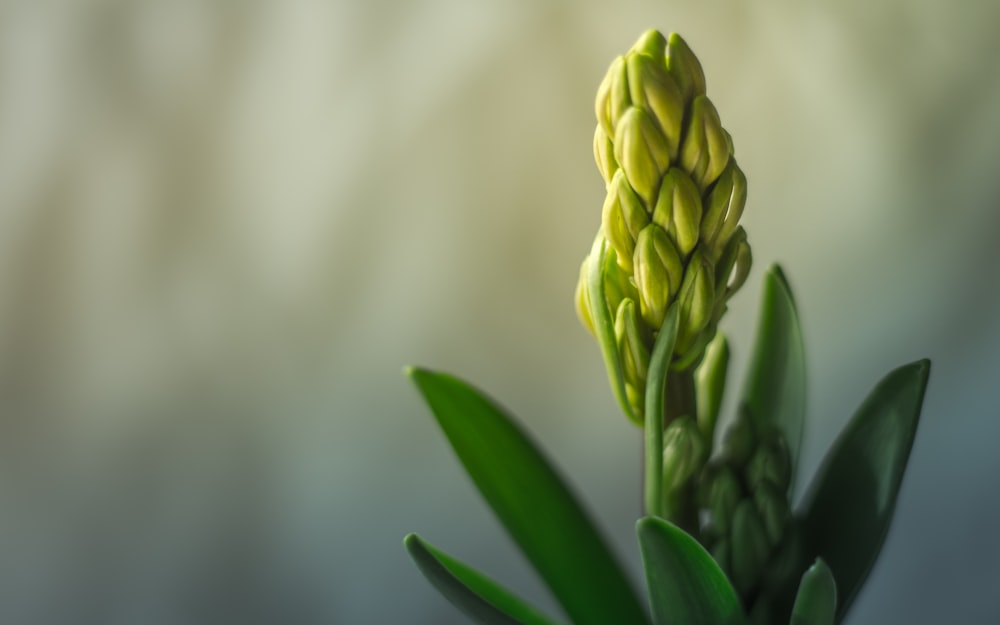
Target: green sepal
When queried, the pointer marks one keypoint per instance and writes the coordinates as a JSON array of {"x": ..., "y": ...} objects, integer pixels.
[
  {"x": 532, "y": 502},
  {"x": 479, "y": 597},
  {"x": 686, "y": 586},
  {"x": 816, "y": 601},
  {"x": 848, "y": 509},
  {"x": 775, "y": 392}
]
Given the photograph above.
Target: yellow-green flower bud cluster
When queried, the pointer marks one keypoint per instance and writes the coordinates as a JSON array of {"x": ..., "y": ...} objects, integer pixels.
[
  {"x": 744, "y": 514},
  {"x": 674, "y": 199}
]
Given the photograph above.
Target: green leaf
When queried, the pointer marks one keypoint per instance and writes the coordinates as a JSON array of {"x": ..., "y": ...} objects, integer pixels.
[
  {"x": 775, "y": 392},
  {"x": 481, "y": 598},
  {"x": 604, "y": 325},
  {"x": 816, "y": 602},
  {"x": 686, "y": 586},
  {"x": 659, "y": 361},
  {"x": 532, "y": 502},
  {"x": 850, "y": 504}
]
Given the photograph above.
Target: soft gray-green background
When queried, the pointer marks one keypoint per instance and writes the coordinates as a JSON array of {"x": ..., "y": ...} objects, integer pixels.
[{"x": 226, "y": 227}]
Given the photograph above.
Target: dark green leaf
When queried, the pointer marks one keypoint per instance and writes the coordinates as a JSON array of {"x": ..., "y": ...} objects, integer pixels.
[
  {"x": 816, "y": 602},
  {"x": 775, "y": 390},
  {"x": 849, "y": 507},
  {"x": 686, "y": 586},
  {"x": 532, "y": 502},
  {"x": 482, "y": 599}
]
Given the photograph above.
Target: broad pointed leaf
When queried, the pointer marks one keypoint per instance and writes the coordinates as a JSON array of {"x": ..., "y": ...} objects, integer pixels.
[
  {"x": 775, "y": 391},
  {"x": 481, "y": 598},
  {"x": 847, "y": 513},
  {"x": 532, "y": 502},
  {"x": 686, "y": 586}
]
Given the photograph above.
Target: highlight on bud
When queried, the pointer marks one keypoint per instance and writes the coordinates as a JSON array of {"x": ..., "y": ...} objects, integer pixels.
[{"x": 671, "y": 216}]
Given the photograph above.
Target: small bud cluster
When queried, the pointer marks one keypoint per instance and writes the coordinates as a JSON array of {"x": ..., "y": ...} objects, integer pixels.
[
  {"x": 744, "y": 513},
  {"x": 674, "y": 199}
]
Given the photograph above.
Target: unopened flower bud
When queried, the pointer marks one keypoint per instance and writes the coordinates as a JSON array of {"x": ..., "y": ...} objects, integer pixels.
[
  {"x": 723, "y": 209},
  {"x": 718, "y": 494},
  {"x": 705, "y": 151},
  {"x": 697, "y": 299},
  {"x": 658, "y": 273},
  {"x": 750, "y": 546},
  {"x": 604, "y": 154},
  {"x": 678, "y": 209},
  {"x": 623, "y": 218},
  {"x": 771, "y": 462},
  {"x": 612, "y": 96},
  {"x": 685, "y": 68},
  {"x": 632, "y": 350},
  {"x": 732, "y": 269},
  {"x": 652, "y": 88},
  {"x": 642, "y": 151},
  {"x": 583, "y": 297},
  {"x": 739, "y": 440},
  {"x": 773, "y": 510},
  {"x": 684, "y": 453}
]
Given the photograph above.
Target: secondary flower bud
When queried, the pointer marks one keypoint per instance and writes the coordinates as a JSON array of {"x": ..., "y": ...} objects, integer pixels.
[
  {"x": 604, "y": 154},
  {"x": 642, "y": 151},
  {"x": 658, "y": 272},
  {"x": 652, "y": 88},
  {"x": 685, "y": 68},
  {"x": 678, "y": 209},
  {"x": 623, "y": 218},
  {"x": 723, "y": 208},
  {"x": 632, "y": 350},
  {"x": 705, "y": 151},
  {"x": 750, "y": 546}
]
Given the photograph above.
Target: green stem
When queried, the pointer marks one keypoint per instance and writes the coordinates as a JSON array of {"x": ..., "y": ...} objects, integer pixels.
[
  {"x": 656, "y": 380},
  {"x": 679, "y": 397}
]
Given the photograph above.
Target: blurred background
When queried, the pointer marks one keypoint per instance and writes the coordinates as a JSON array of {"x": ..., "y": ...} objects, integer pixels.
[{"x": 225, "y": 227}]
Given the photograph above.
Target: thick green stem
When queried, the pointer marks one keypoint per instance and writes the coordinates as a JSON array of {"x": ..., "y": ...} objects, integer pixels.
[
  {"x": 653, "y": 423},
  {"x": 679, "y": 396}
]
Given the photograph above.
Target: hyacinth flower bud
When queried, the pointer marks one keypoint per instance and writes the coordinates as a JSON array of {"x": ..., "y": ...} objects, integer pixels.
[
  {"x": 633, "y": 352},
  {"x": 684, "y": 453},
  {"x": 697, "y": 299},
  {"x": 678, "y": 209},
  {"x": 583, "y": 298},
  {"x": 658, "y": 272},
  {"x": 652, "y": 88},
  {"x": 705, "y": 151},
  {"x": 773, "y": 509},
  {"x": 739, "y": 441},
  {"x": 724, "y": 208},
  {"x": 642, "y": 152},
  {"x": 719, "y": 492},
  {"x": 771, "y": 463},
  {"x": 604, "y": 155},
  {"x": 750, "y": 546},
  {"x": 660, "y": 148},
  {"x": 685, "y": 68},
  {"x": 623, "y": 218}
]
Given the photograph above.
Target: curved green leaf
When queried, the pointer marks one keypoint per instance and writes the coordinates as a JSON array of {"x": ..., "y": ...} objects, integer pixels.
[
  {"x": 659, "y": 361},
  {"x": 847, "y": 512},
  {"x": 604, "y": 325},
  {"x": 816, "y": 601},
  {"x": 775, "y": 391},
  {"x": 686, "y": 586},
  {"x": 481, "y": 598},
  {"x": 532, "y": 502}
]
